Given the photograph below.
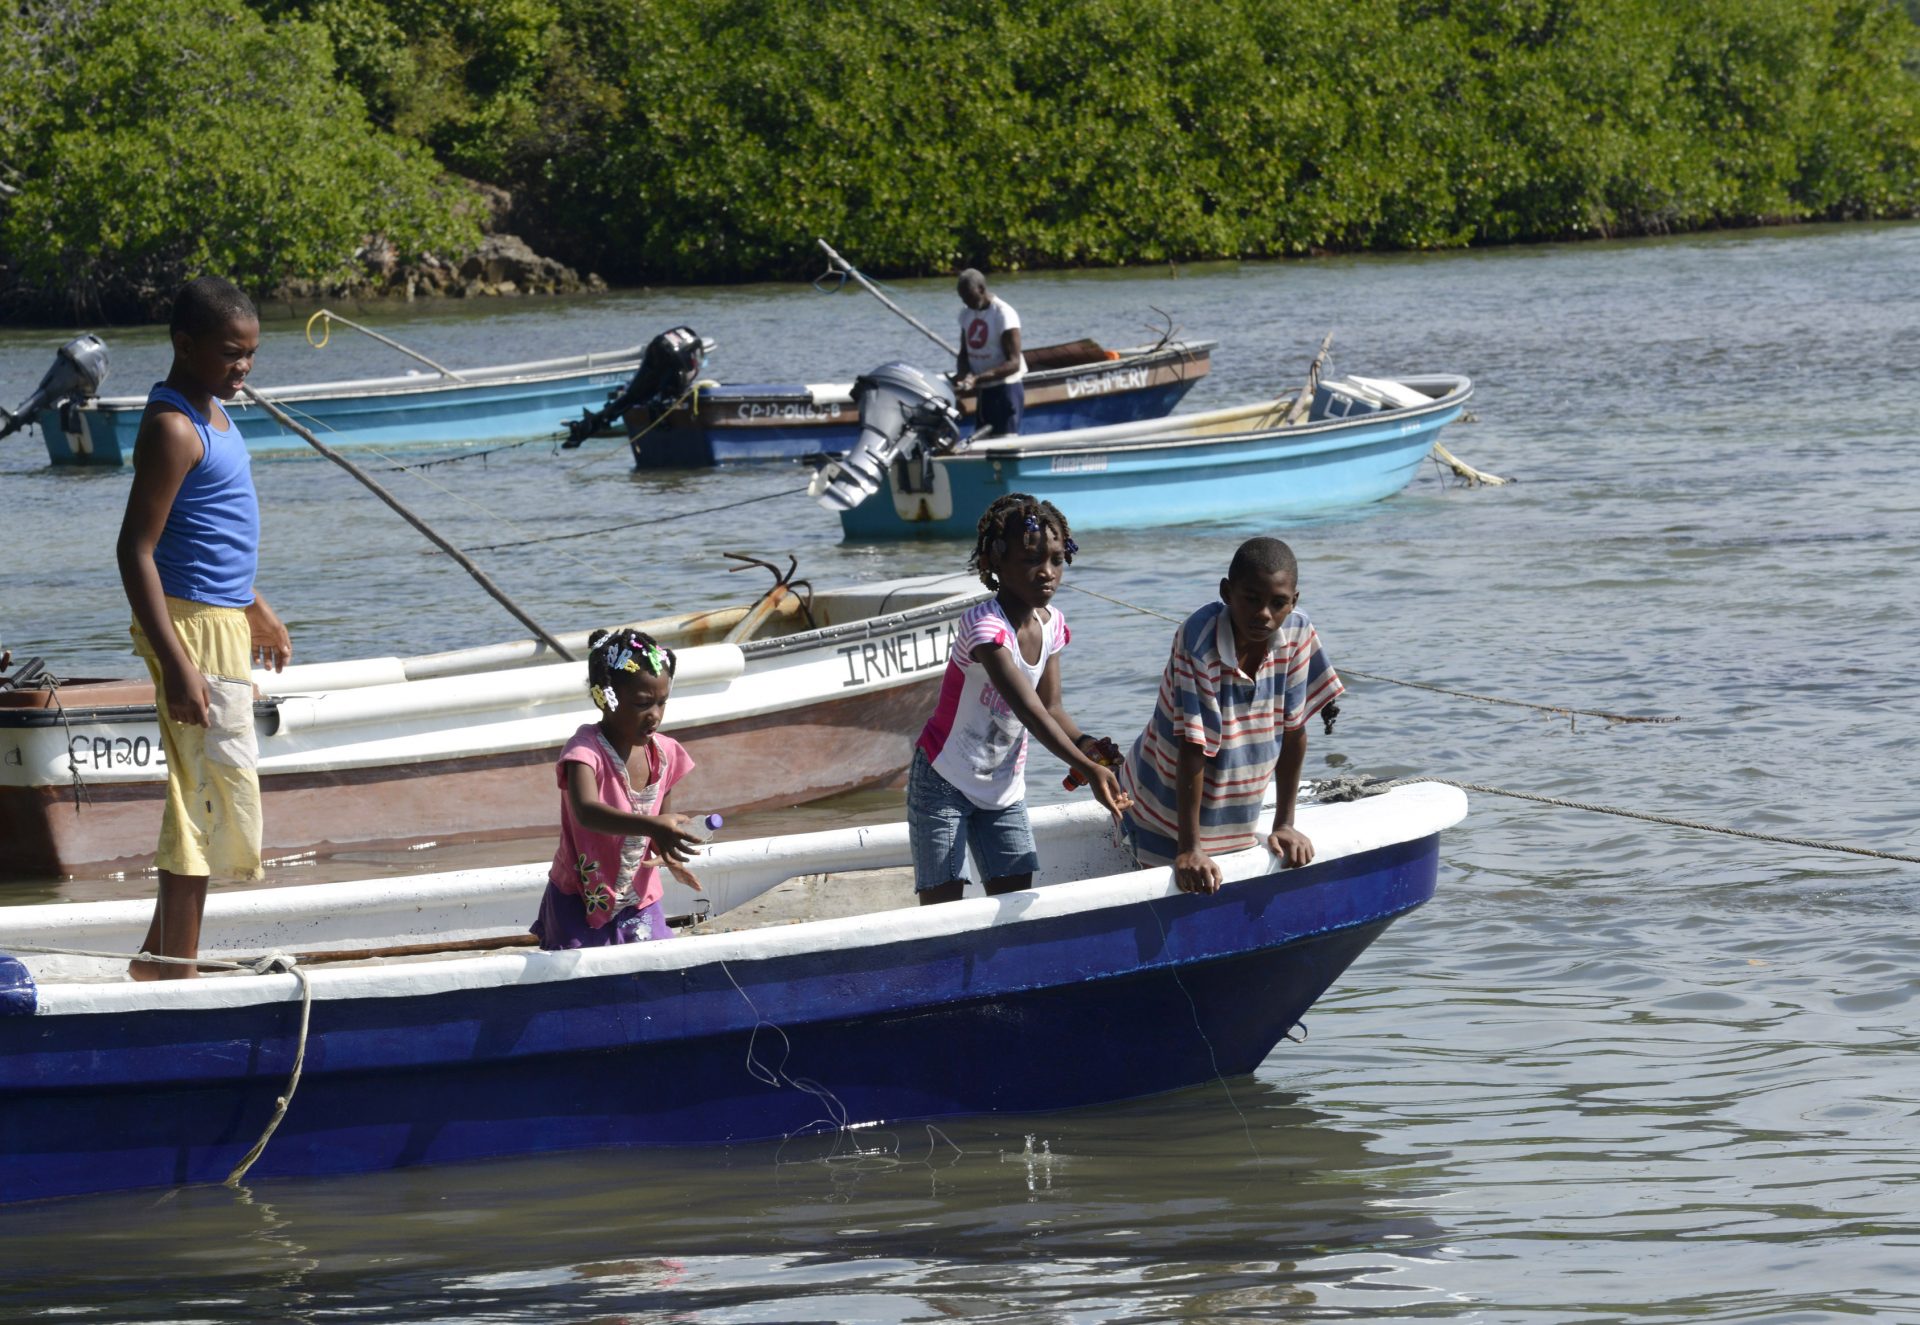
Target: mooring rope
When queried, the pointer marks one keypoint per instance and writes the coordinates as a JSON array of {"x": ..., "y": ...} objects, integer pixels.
[
  {"x": 458, "y": 456},
  {"x": 633, "y": 524},
  {"x": 1569, "y": 713},
  {"x": 1359, "y": 786},
  {"x": 268, "y": 965}
]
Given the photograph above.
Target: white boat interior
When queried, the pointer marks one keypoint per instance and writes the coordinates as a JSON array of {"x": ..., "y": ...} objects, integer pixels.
[
  {"x": 781, "y": 619},
  {"x": 468, "y": 925},
  {"x": 1385, "y": 397}
]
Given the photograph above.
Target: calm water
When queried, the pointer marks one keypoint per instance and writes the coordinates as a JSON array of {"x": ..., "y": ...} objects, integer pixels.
[{"x": 1613, "y": 1072}]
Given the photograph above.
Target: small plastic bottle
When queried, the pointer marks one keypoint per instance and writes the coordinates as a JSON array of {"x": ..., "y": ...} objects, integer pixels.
[
  {"x": 1073, "y": 781},
  {"x": 704, "y": 826}
]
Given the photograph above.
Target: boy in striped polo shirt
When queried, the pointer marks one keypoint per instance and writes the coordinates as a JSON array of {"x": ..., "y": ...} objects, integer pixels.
[{"x": 1245, "y": 675}]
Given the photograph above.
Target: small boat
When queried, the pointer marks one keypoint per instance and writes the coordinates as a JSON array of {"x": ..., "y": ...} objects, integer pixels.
[
  {"x": 1076, "y": 385},
  {"x": 476, "y": 405},
  {"x": 1361, "y": 441},
  {"x": 461, "y": 745},
  {"x": 1101, "y": 983}
]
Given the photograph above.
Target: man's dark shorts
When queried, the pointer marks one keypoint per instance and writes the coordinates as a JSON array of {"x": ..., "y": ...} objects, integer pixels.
[{"x": 1000, "y": 408}]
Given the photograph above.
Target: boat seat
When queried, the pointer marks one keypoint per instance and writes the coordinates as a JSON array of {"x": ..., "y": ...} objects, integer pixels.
[{"x": 1068, "y": 354}]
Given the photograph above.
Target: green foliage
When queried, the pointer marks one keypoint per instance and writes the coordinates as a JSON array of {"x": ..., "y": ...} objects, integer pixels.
[
  {"x": 713, "y": 139},
  {"x": 174, "y": 137}
]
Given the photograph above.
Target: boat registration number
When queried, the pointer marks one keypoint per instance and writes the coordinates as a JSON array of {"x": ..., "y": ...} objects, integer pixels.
[
  {"x": 99, "y": 753},
  {"x": 759, "y": 412}
]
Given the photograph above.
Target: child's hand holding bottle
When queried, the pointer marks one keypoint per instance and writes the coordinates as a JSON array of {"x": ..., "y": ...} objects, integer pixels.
[
  {"x": 1101, "y": 750},
  {"x": 1102, "y": 757},
  {"x": 677, "y": 837}
]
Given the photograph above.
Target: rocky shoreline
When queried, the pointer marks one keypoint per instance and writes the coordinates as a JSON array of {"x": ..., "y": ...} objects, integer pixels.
[{"x": 503, "y": 265}]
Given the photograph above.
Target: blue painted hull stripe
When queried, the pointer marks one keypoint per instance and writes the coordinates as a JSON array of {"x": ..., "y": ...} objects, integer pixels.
[{"x": 1070, "y": 1010}]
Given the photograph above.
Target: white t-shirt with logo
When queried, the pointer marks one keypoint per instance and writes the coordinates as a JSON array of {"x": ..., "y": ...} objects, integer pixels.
[
  {"x": 982, "y": 335},
  {"x": 973, "y": 740}
]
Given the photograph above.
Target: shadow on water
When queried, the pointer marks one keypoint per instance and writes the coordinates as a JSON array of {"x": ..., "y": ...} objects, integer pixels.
[{"x": 1013, "y": 1207}]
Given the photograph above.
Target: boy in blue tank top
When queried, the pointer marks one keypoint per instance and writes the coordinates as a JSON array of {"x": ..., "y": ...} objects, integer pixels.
[{"x": 188, "y": 547}]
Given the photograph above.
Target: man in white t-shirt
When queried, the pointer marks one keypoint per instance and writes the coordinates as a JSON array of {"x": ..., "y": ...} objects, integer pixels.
[{"x": 990, "y": 361}]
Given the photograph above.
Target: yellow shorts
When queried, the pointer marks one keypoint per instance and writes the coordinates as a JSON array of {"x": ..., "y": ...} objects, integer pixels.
[{"x": 212, "y": 821}]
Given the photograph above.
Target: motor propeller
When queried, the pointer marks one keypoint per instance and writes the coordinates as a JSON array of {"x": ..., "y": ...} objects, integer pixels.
[
  {"x": 78, "y": 369},
  {"x": 670, "y": 366},
  {"x": 904, "y": 411}
]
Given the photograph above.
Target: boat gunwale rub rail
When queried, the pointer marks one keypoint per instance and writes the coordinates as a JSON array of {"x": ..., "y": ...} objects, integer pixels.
[{"x": 1405, "y": 815}]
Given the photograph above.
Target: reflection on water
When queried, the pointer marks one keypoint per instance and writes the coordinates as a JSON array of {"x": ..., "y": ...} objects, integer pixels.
[{"x": 1082, "y": 1205}]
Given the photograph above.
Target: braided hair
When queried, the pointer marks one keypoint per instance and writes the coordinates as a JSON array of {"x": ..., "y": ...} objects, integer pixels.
[
  {"x": 613, "y": 652},
  {"x": 1015, "y": 517}
]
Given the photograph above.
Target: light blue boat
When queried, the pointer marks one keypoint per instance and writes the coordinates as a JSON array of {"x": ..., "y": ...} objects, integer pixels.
[
  {"x": 474, "y": 406},
  {"x": 1362, "y": 442}
]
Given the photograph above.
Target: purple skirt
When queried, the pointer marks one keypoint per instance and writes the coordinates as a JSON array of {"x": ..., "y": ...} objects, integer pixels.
[{"x": 562, "y": 923}]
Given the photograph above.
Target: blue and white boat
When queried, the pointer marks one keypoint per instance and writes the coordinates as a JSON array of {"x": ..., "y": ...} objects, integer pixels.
[
  {"x": 1101, "y": 983},
  {"x": 1362, "y": 441},
  {"x": 1076, "y": 385},
  {"x": 470, "y": 407}
]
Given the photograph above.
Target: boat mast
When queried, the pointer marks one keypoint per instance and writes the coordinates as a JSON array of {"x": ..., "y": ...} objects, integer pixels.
[{"x": 840, "y": 264}]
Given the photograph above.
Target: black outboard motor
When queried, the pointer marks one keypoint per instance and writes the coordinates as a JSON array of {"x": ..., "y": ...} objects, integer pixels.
[
  {"x": 78, "y": 370},
  {"x": 906, "y": 414},
  {"x": 670, "y": 365}
]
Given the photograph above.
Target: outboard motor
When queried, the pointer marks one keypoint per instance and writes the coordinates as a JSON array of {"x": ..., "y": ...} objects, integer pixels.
[
  {"x": 78, "y": 370},
  {"x": 905, "y": 413},
  {"x": 671, "y": 364}
]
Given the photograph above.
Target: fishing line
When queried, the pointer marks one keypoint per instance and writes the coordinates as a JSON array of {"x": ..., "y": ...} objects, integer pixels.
[
  {"x": 844, "y": 1152},
  {"x": 1569, "y": 713},
  {"x": 1359, "y": 786},
  {"x": 1212, "y": 1058},
  {"x": 777, "y": 1077},
  {"x": 596, "y": 569}
]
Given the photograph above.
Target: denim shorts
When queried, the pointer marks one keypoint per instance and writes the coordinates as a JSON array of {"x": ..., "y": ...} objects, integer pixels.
[{"x": 942, "y": 823}]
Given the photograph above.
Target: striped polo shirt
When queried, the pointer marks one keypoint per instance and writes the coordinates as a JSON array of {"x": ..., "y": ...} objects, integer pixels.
[{"x": 1237, "y": 720}]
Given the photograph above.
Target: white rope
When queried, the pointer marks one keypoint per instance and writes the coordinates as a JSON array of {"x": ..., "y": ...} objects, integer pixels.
[
  {"x": 293, "y": 1082},
  {"x": 270, "y": 964}
]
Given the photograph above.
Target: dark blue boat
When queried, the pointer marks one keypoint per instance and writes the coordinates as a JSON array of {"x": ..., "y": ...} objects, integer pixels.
[
  {"x": 1102, "y": 983},
  {"x": 1077, "y": 385}
]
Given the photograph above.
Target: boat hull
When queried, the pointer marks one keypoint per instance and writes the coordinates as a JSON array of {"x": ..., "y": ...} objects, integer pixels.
[
  {"x": 471, "y": 756},
  {"x": 1009, "y": 1013},
  {"x": 1279, "y": 473},
  {"x": 390, "y": 412},
  {"x": 745, "y": 424},
  {"x": 825, "y": 748}
]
